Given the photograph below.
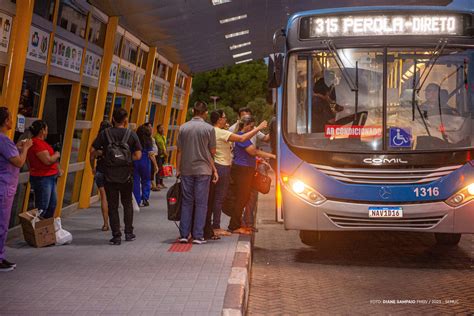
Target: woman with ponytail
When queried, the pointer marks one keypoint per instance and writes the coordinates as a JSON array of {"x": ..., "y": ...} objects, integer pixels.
[
  {"x": 44, "y": 169},
  {"x": 12, "y": 158}
]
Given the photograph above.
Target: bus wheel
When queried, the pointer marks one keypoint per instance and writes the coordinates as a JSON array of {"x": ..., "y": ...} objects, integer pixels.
[
  {"x": 447, "y": 239},
  {"x": 310, "y": 237}
]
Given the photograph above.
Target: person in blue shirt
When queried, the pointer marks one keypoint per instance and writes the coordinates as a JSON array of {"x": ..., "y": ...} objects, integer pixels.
[{"x": 243, "y": 169}]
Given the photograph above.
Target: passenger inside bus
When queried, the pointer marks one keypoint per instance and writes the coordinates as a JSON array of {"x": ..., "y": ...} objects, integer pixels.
[
  {"x": 324, "y": 107},
  {"x": 436, "y": 102}
]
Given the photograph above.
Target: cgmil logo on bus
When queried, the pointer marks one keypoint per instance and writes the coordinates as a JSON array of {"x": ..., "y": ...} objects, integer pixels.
[{"x": 383, "y": 161}]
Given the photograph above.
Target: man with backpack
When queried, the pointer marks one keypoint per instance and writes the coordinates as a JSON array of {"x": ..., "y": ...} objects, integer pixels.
[{"x": 119, "y": 147}]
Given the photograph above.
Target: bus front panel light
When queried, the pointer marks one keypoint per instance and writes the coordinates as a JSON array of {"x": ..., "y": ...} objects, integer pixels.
[
  {"x": 298, "y": 187},
  {"x": 462, "y": 196},
  {"x": 304, "y": 191},
  {"x": 470, "y": 189}
]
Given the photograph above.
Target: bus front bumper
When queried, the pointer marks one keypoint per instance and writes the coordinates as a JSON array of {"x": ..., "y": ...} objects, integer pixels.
[{"x": 335, "y": 215}]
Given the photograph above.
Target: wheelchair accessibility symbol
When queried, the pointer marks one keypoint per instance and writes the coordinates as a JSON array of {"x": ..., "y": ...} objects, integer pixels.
[{"x": 400, "y": 137}]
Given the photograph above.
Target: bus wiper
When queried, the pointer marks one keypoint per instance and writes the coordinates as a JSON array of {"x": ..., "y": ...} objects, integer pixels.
[
  {"x": 432, "y": 61},
  {"x": 414, "y": 101},
  {"x": 415, "y": 89},
  {"x": 353, "y": 86}
]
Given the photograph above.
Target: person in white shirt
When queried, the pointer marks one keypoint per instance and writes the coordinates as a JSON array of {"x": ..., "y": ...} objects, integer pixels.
[{"x": 223, "y": 162}]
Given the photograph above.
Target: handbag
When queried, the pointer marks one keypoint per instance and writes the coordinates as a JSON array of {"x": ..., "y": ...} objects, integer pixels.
[
  {"x": 261, "y": 181},
  {"x": 173, "y": 201}
]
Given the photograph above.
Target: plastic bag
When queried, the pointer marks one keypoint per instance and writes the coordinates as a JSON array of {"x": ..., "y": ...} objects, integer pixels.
[
  {"x": 136, "y": 207},
  {"x": 63, "y": 237}
]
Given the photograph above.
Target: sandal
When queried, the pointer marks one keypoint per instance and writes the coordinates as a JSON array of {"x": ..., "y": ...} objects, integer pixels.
[
  {"x": 215, "y": 237},
  {"x": 105, "y": 228}
]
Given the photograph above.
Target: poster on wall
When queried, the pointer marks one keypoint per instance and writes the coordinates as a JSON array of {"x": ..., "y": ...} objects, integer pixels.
[
  {"x": 5, "y": 30},
  {"x": 66, "y": 55},
  {"x": 92, "y": 65},
  {"x": 113, "y": 73},
  {"x": 125, "y": 78},
  {"x": 38, "y": 45}
]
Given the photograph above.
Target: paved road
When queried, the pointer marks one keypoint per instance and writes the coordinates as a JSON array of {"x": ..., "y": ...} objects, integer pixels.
[{"x": 354, "y": 273}]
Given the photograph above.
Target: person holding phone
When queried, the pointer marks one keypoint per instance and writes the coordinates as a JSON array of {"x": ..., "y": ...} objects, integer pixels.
[{"x": 12, "y": 158}]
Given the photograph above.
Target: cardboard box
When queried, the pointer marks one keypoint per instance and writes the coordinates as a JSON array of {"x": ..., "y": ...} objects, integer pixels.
[{"x": 42, "y": 234}]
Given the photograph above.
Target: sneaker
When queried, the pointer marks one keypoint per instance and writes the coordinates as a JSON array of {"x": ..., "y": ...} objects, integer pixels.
[
  {"x": 199, "y": 241},
  {"x": 5, "y": 267},
  {"x": 116, "y": 241},
  {"x": 145, "y": 203},
  {"x": 8, "y": 263},
  {"x": 183, "y": 240},
  {"x": 130, "y": 237}
]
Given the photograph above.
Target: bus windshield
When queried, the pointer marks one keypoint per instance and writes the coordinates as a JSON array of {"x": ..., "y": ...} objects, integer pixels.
[{"x": 336, "y": 100}]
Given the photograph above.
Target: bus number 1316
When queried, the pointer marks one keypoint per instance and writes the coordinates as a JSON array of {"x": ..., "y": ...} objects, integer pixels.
[{"x": 423, "y": 192}]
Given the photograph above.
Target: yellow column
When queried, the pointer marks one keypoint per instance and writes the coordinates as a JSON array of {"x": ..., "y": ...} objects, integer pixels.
[
  {"x": 17, "y": 59},
  {"x": 146, "y": 86},
  {"x": 87, "y": 179},
  {"x": 183, "y": 112},
  {"x": 67, "y": 146},
  {"x": 166, "y": 119},
  {"x": 69, "y": 130}
]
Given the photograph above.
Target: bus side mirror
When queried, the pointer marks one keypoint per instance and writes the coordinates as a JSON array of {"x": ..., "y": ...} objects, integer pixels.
[{"x": 275, "y": 70}]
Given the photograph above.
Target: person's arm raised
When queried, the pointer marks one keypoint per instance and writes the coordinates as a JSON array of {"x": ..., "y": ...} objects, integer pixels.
[{"x": 242, "y": 138}]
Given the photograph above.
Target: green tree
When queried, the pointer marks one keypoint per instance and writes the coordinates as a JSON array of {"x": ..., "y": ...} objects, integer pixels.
[{"x": 237, "y": 86}]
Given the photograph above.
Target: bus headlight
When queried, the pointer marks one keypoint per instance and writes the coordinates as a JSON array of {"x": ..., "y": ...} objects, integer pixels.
[
  {"x": 303, "y": 190},
  {"x": 461, "y": 197}
]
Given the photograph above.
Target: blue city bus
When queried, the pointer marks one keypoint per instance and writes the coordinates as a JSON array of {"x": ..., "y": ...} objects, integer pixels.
[{"x": 376, "y": 121}]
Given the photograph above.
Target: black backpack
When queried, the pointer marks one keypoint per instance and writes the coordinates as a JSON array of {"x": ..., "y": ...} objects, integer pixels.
[
  {"x": 173, "y": 201},
  {"x": 118, "y": 159}
]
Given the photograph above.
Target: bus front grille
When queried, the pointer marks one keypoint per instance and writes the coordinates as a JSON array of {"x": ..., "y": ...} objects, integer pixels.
[
  {"x": 386, "y": 176},
  {"x": 383, "y": 223}
]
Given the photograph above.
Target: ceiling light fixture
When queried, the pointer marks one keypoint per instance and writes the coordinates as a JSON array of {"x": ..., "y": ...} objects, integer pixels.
[
  {"x": 232, "y": 19},
  {"x": 236, "y": 46},
  {"x": 242, "y": 54},
  {"x": 243, "y": 61},
  {"x": 237, "y": 34},
  {"x": 217, "y": 2}
]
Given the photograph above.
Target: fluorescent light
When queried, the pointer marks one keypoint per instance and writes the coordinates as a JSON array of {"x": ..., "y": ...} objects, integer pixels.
[
  {"x": 242, "y": 54},
  {"x": 243, "y": 61},
  {"x": 237, "y": 34},
  {"x": 232, "y": 19},
  {"x": 217, "y": 2},
  {"x": 236, "y": 46}
]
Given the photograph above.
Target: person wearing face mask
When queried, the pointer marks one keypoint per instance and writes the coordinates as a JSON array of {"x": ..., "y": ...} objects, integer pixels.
[
  {"x": 44, "y": 169},
  {"x": 12, "y": 158}
]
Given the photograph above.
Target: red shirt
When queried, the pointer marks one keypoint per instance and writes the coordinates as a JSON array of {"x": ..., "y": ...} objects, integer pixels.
[{"x": 37, "y": 168}]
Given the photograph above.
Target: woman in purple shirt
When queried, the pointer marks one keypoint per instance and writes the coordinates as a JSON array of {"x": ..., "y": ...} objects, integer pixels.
[{"x": 12, "y": 158}]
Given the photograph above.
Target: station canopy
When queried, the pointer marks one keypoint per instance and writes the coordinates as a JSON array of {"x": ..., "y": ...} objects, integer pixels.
[{"x": 202, "y": 35}]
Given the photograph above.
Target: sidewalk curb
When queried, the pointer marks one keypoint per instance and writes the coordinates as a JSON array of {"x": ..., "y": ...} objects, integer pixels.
[{"x": 237, "y": 292}]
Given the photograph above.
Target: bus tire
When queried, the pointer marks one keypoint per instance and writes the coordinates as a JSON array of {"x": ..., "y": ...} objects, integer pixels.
[
  {"x": 310, "y": 237},
  {"x": 447, "y": 239}
]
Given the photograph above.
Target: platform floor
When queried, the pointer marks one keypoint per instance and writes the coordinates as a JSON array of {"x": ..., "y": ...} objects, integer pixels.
[{"x": 91, "y": 277}]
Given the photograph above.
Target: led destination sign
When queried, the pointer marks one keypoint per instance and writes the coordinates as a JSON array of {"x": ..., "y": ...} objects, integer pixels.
[{"x": 330, "y": 26}]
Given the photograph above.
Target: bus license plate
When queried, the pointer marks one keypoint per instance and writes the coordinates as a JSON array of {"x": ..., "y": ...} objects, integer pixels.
[{"x": 385, "y": 212}]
